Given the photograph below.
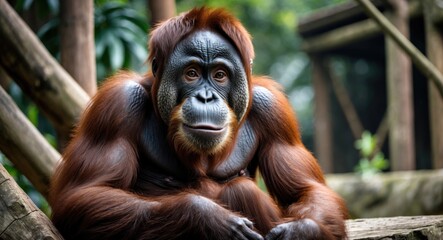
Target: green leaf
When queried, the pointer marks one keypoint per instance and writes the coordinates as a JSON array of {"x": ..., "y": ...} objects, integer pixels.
[
  {"x": 127, "y": 25},
  {"x": 27, "y": 4},
  {"x": 32, "y": 114},
  {"x": 366, "y": 144},
  {"x": 54, "y": 5},
  {"x": 130, "y": 15},
  {"x": 127, "y": 36},
  {"x": 49, "y": 28},
  {"x": 51, "y": 139},
  {"x": 101, "y": 42},
  {"x": 379, "y": 162},
  {"x": 139, "y": 51},
  {"x": 111, "y": 7},
  {"x": 116, "y": 51}
]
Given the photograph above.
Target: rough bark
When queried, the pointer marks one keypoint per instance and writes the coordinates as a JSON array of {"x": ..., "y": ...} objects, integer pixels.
[
  {"x": 22, "y": 143},
  {"x": 37, "y": 73},
  {"x": 19, "y": 217},
  {"x": 410, "y": 228}
]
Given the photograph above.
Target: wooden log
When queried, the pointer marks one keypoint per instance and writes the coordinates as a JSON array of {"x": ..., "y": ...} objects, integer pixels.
[
  {"x": 22, "y": 143},
  {"x": 390, "y": 194},
  {"x": 38, "y": 74},
  {"x": 334, "y": 15},
  {"x": 19, "y": 217},
  {"x": 345, "y": 35},
  {"x": 340, "y": 37},
  {"x": 411, "y": 228}
]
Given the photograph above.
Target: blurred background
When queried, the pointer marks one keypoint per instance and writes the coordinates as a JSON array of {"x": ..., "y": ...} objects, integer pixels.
[{"x": 338, "y": 70}]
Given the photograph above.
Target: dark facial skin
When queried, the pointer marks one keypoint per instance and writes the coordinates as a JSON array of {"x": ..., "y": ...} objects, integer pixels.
[{"x": 204, "y": 88}]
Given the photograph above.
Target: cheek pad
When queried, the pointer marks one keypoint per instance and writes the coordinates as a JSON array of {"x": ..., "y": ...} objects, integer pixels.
[
  {"x": 240, "y": 97},
  {"x": 167, "y": 96}
]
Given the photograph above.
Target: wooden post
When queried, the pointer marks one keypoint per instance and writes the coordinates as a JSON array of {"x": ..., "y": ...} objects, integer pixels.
[
  {"x": 161, "y": 10},
  {"x": 400, "y": 104},
  {"x": 434, "y": 47},
  {"x": 322, "y": 116},
  {"x": 77, "y": 50},
  {"x": 77, "y": 42}
]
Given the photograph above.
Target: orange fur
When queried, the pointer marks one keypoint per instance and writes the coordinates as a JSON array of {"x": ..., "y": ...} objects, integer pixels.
[{"x": 98, "y": 191}]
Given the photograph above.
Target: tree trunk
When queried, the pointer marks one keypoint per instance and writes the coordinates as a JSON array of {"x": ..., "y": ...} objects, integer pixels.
[
  {"x": 77, "y": 42},
  {"x": 77, "y": 49},
  {"x": 19, "y": 217},
  {"x": 37, "y": 73},
  {"x": 161, "y": 10}
]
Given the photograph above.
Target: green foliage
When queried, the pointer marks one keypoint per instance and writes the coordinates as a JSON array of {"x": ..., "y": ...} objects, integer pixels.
[
  {"x": 120, "y": 37},
  {"x": 33, "y": 116},
  {"x": 372, "y": 161},
  {"x": 366, "y": 144},
  {"x": 45, "y": 7}
]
